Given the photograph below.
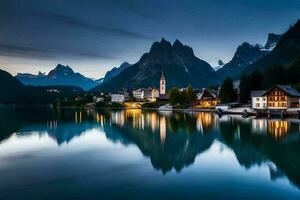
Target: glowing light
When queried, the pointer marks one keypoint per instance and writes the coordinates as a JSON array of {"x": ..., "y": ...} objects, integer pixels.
[
  {"x": 163, "y": 129},
  {"x": 277, "y": 129}
]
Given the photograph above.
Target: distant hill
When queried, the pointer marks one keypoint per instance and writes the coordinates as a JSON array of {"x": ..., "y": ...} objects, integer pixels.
[
  {"x": 8, "y": 85},
  {"x": 61, "y": 75},
  {"x": 13, "y": 91},
  {"x": 286, "y": 51},
  {"x": 31, "y": 95},
  {"x": 247, "y": 54},
  {"x": 181, "y": 68}
]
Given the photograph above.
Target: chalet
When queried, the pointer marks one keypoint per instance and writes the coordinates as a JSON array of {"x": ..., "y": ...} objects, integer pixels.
[
  {"x": 258, "y": 99},
  {"x": 207, "y": 98},
  {"x": 282, "y": 97}
]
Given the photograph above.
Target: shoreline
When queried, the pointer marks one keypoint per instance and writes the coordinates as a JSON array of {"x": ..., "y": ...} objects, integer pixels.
[{"x": 266, "y": 114}]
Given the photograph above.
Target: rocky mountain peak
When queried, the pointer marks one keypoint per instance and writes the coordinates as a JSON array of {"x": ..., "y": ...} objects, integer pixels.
[
  {"x": 177, "y": 44},
  {"x": 272, "y": 40}
]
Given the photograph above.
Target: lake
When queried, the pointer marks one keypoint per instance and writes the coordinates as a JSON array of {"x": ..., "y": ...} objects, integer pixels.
[{"x": 134, "y": 154}]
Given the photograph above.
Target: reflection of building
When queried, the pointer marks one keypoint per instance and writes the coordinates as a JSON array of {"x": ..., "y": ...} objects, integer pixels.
[
  {"x": 207, "y": 98},
  {"x": 118, "y": 98},
  {"x": 204, "y": 121},
  {"x": 259, "y": 126},
  {"x": 278, "y": 128},
  {"x": 258, "y": 100}
]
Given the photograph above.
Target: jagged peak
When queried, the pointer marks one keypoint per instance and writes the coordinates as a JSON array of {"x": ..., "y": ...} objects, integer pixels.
[
  {"x": 165, "y": 43},
  {"x": 159, "y": 45},
  {"x": 177, "y": 43}
]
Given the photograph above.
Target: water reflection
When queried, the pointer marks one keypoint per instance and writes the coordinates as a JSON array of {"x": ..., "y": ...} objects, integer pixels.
[
  {"x": 278, "y": 128},
  {"x": 171, "y": 140}
]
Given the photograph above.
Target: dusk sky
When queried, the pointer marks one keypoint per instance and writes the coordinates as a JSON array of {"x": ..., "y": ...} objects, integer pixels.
[{"x": 92, "y": 36}]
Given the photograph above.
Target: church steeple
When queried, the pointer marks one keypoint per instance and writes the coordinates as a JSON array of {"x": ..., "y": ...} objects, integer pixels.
[{"x": 162, "y": 83}]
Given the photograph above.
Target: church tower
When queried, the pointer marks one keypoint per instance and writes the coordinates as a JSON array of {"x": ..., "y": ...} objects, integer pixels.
[{"x": 162, "y": 84}]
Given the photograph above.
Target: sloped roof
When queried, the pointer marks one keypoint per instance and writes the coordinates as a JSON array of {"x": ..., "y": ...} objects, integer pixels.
[
  {"x": 212, "y": 92},
  {"x": 287, "y": 89},
  {"x": 257, "y": 93}
]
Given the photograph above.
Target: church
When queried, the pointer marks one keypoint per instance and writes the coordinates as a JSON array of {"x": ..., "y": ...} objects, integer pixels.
[{"x": 163, "y": 96}]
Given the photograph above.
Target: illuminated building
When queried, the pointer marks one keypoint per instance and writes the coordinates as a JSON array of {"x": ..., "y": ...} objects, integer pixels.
[
  {"x": 277, "y": 97},
  {"x": 207, "y": 98},
  {"x": 162, "y": 84}
]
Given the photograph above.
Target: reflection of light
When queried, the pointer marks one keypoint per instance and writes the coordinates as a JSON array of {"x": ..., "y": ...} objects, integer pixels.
[
  {"x": 118, "y": 118},
  {"x": 259, "y": 125},
  {"x": 135, "y": 114},
  {"x": 204, "y": 121},
  {"x": 277, "y": 129},
  {"x": 154, "y": 122},
  {"x": 132, "y": 105},
  {"x": 99, "y": 118},
  {"x": 162, "y": 127},
  {"x": 75, "y": 117},
  {"x": 80, "y": 117},
  {"x": 52, "y": 124}
]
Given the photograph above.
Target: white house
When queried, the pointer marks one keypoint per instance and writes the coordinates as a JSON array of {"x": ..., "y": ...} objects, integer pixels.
[
  {"x": 149, "y": 94},
  {"x": 118, "y": 98},
  {"x": 138, "y": 94},
  {"x": 258, "y": 99}
]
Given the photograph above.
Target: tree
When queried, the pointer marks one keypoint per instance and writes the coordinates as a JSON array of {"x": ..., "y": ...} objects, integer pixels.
[
  {"x": 244, "y": 89},
  {"x": 190, "y": 95},
  {"x": 174, "y": 96},
  {"x": 227, "y": 93}
]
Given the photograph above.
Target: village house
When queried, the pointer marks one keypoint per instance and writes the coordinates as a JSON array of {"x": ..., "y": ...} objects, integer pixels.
[
  {"x": 207, "y": 98},
  {"x": 138, "y": 94},
  {"x": 149, "y": 94},
  {"x": 117, "y": 98},
  {"x": 258, "y": 100},
  {"x": 282, "y": 97},
  {"x": 102, "y": 97},
  {"x": 277, "y": 97}
]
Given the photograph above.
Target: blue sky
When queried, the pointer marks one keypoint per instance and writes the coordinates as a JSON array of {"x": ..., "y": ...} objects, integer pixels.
[{"x": 92, "y": 36}]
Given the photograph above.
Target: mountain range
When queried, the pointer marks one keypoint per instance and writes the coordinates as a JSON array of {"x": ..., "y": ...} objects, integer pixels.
[
  {"x": 177, "y": 61},
  {"x": 286, "y": 51},
  {"x": 61, "y": 75},
  {"x": 14, "y": 92},
  {"x": 179, "y": 64},
  {"x": 245, "y": 55}
]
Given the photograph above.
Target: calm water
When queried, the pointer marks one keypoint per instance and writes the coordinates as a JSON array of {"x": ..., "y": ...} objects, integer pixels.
[{"x": 133, "y": 154}]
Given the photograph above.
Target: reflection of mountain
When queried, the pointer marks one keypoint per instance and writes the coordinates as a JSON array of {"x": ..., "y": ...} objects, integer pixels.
[
  {"x": 172, "y": 141},
  {"x": 177, "y": 150},
  {"x": 256, "y": 149}
]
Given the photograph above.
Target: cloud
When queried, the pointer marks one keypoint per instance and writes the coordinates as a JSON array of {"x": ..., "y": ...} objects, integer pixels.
[
  {"x": 78, "y": 23},
  {"x": 47, "y": 53}
]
